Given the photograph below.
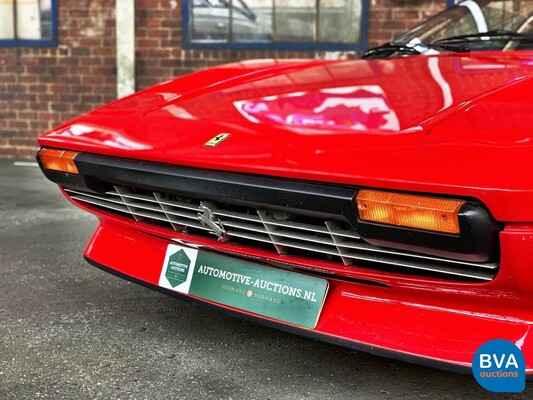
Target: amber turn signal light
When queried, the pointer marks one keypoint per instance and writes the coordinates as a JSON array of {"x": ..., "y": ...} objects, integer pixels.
[
  {"x": 418, "y": 212},
  {"x": 59, "y": 160}
]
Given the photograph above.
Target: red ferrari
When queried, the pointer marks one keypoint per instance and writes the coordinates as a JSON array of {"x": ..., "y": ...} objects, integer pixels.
[{"x": 384, "y": 204}]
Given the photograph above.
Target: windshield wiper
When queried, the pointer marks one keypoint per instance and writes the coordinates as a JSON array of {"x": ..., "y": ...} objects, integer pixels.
[
  {"x": 495, "y": 34},
  {"x": 396, "y": 48},
  {"x": 388, "y": 49}
]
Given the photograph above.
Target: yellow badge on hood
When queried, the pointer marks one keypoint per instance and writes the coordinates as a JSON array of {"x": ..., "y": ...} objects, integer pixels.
[{"x": 217, "y": 140}]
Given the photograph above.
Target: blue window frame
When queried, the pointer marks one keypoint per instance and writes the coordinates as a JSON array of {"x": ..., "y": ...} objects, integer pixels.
[
  {"x": 275, "y": 24},
  {"x": 28, "y": 23}
]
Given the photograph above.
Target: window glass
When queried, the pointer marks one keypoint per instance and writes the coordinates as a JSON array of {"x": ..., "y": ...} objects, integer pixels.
[
  {"x": 339, "y": 21},
  {"x": 26, "y": 20},
  {"x": 295, "y": 21},
  {"x": 252, "y": 20},
  {"x": 275, "y": 23},
  {"x": 210, "y": 20},
  {"x": 46, "y": 19},
  {"x": 7, "y": 23}
]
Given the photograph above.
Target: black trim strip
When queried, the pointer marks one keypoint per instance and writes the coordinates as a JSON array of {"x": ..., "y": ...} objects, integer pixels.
[
  {"x": 246, "y": 190},
  {"x": 291, "y": 329}
]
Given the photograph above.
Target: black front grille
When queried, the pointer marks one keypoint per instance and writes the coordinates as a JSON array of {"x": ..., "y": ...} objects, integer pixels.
[
  {"x": 284, "y": 231},
  {"x": 288, "y": 217}
]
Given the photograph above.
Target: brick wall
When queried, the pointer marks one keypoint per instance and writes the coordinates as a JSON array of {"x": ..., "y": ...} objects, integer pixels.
[
  {"x": 388, "y": 18},
  {"x": 42, "y": 87}
]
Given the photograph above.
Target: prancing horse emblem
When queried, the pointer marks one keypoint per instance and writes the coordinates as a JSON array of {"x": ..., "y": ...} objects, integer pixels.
[
  {"x": 208, "y": 219},
  {"x": 217, "y": 140}
]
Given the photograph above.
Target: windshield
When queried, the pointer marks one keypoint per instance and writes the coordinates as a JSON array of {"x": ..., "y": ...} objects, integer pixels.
[
  {"x": 475, "y": 17},
  {"x": 508, "y": 24}
]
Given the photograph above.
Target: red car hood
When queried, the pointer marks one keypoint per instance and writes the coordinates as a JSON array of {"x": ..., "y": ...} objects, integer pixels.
[{"x": 445, "y": 124}]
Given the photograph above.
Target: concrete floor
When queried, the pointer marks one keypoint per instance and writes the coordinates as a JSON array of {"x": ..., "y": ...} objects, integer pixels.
[{"x": 70, "y": 331}]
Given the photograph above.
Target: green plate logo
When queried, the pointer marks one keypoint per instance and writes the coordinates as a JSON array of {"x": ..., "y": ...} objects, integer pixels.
[{"x": 177, "y": 268}]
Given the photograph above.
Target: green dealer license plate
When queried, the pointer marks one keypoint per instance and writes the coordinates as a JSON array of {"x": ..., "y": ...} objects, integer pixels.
[{"x": 284, "y": 295}]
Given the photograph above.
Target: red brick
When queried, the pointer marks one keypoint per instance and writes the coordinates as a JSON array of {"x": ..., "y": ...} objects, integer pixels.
[{"x": 22, "y": 142}]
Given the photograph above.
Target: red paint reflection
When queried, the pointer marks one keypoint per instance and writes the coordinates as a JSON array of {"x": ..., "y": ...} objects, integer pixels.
[{"x": 359, "y": 108}]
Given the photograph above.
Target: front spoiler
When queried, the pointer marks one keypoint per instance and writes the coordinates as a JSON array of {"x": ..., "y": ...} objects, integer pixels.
[
  {"x": 395, "y": 322},
  {"x": 377, "y": 351}
]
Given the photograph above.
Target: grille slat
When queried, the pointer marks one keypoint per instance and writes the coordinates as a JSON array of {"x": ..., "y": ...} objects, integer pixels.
[
  {"x": 189, "y": 223},
  {"x": 179, "y": 204},
  {"x": 143, "y": 206},
  {"x": 309, "y": 246},
  {"x": 183, "y": 214},
  {"x": 250, "y": 236},
  {"x": 133, "y": 196},
  {"x": 346, "y": 246},
  {"x": 413, "y": 265},
  {"x": 171, "y": 217},
  {"x": 93, "y": 196},
  {"x": 341, "y": 234},
  {"x": 304, "y": 236},
  {"x": 245, "y": 226},
  {"x": 296, "y": 225},
  {"x": 97, "y": 202},
  {"x": 238, "y": 216}
]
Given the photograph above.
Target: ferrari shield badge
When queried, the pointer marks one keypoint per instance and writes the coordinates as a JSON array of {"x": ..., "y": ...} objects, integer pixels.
[{"x": 217, "y": 140}]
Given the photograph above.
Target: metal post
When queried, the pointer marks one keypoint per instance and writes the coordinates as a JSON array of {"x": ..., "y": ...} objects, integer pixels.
[
  {"x": 274, "y": 31},
  {"x": 125, "y": 32},
  {"x": 15, "y": 25},
  {"x": 316, "y": 31}
]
